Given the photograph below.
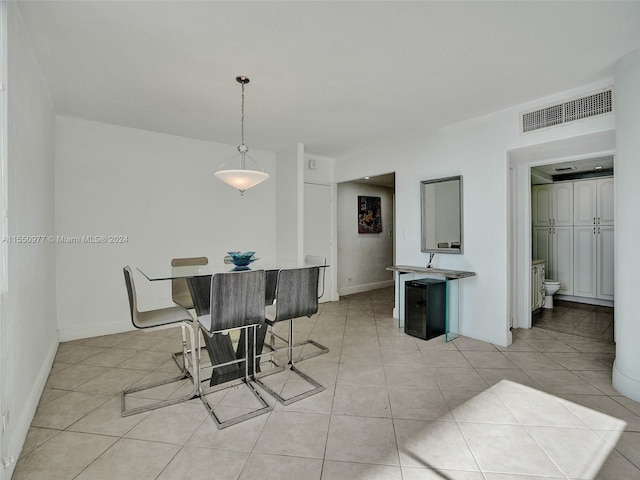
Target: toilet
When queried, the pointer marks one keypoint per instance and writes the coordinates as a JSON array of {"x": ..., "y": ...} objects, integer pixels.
[{"x": 550, "y": 288}]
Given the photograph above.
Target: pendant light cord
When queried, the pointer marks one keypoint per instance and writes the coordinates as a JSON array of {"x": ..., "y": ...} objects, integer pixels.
[{"x": 242, "y": 118}]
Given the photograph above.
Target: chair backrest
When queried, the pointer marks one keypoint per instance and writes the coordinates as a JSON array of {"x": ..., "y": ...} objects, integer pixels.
[
  {"x": 320, "y": 261},
  {"x": 271, "y": 283},
  {"x": 131, "y": 290},
  {"x": 297, "y": 293},
  {"x": 179, "y": 288},
  {"x": 200, "y": 288},
  {"x": 237, "y": 299}
]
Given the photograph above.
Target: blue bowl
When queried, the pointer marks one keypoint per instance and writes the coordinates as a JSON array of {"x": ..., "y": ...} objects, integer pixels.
[{"x": 241, "y": 259}]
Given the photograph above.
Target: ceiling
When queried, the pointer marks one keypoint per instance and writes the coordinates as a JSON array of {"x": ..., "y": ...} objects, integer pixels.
[
  {"x": 572, "y": 169},
  {"x": 387, "y": 180},
  {"x": 336, "y": 76}
]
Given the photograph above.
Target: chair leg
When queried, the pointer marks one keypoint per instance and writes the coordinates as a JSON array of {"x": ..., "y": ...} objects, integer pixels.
[
  {"x": 316, "y": 387},
  {"x": 246, "y": 380},
  {"x": 194, "y": 373},
  {"x": 321, "y": 349},
  {"x": 185, "y": 351}
]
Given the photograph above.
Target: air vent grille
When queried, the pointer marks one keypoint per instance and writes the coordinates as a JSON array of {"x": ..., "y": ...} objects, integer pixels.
[{"x": 584, "y": 107}]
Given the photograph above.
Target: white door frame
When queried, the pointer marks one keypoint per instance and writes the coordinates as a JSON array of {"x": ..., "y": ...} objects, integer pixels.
[{"x": 519, "y": 166}]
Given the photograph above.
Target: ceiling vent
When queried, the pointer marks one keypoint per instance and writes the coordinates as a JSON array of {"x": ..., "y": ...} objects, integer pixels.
[
  {"x": 576, "y": 109},
  {"x": 565, "y": 169}
]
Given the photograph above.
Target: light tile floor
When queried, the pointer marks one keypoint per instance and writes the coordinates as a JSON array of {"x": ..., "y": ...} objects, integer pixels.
[
  {"x": 581, "y": 319},
  {"x": 395, "y": 407}
]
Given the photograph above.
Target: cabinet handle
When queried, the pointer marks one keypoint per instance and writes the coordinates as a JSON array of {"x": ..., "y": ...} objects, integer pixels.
[
  {"x": 549, "y": 221},
  {"x": 594, "y": 220},
  {"x": 554, "y": 221},
  {"x": 598, "y": 220},
  {"x": 594, "y": 230},
  {"x": 598, "y": 230}
]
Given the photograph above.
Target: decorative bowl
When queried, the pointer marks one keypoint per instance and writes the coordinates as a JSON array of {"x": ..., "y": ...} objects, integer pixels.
[{"x": 241, "y": 259}]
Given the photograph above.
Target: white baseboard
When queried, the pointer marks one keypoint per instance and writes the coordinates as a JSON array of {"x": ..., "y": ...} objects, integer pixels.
[
  {"x": 365, "y": 288},
  {"x": 627, "y": 386},
  {"x": 76, "y": 333},
  {"x": 589, "y": 301},
  {"x": 19, "y": 434}
]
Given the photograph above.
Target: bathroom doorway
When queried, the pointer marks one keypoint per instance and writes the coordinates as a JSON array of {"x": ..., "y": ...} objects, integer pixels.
[
  {"x": 572, "y": 240},
  {"x": 519, "y": 164}
]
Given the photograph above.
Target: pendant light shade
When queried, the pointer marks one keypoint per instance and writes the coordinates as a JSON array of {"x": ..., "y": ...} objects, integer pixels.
[
  {"x": 236, "y": 173},
  {"x": 242, "y": 179}
]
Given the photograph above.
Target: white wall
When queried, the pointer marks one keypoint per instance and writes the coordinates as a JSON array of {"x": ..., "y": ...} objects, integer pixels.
[
  {"x": 626, "y": 369},
  {"x": 322, "y": 171},
  {"x": 158, "y": 190},
  {"x": 289, "y": 207},
  {"x": 362, "y": 258},
  {"x": 29, "y": 334},
  {"x": 477, "y": 150}
]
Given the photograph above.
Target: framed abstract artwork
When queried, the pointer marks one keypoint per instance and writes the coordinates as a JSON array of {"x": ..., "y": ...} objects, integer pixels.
[{"x": 369, "y": 215}]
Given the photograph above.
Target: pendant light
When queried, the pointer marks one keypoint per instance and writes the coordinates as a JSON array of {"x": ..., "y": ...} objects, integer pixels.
[{"x": 241, "y": 178}]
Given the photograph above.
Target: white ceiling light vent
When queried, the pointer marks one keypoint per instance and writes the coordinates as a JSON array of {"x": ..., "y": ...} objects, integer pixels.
[{"x": 595, "y": 104}]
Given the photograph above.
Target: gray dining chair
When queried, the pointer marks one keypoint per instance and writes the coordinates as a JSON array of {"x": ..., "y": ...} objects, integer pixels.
[
  {"x": 296, "y": 296},
  {"x": 179, "y": 289},
  {"x": 309, "y": 260},
  {"x": 158, "y": 319},
  {"x": 181, "y": 294},
  {"x": 321, "y": 262},
  {"x": 236, "y": 303}
]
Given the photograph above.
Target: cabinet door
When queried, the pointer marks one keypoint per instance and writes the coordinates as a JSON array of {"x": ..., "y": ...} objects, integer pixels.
[
  {"x": 562, "y": 204},
  {"x": 534, "y": 287},
  {"x": 605, "y": 201},
  {"x": 605, "y": 261},
  {"x": 584, "y": 261},
  {"x": 562, "y": 259},
  {"x": 541, "y": 243},
  {"x": 584, "y": 203},
  {"x": 541, "y": 205}
]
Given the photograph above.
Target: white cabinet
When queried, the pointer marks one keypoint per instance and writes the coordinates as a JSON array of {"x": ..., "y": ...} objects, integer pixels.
[
  {"x": 605, "y": 211},
  {"x": 552, "y": 204},
  {"x": 573, "y": 231},
  {"x": 593, "y": 260},
  {"x": 555, "y": 246},
  {"x": 541, "y": 205},
  {"x": 584, "y": 203},
  {"x": 604, "y": 261},
  {"x": 584, "y": 261},
  {"x": 593, "y": 202},
  {"x": 593, "y": 238}
]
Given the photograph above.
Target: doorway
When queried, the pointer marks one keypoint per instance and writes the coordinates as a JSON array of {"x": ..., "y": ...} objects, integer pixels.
[
  {"x": 572, "y": 236},
  {"x": 520, "y": 162},
  {"x": 364, "y": 254}
]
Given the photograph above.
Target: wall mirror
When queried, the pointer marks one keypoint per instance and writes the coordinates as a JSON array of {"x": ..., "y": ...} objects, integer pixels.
[{"x": 441, "y": 209}]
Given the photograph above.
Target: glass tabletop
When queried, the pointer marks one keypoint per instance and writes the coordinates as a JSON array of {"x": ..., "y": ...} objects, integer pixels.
[{"x": 167, "y": 272}]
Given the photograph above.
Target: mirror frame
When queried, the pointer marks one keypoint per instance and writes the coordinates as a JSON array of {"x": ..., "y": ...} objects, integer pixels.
[{"x": 424, "y": 247}]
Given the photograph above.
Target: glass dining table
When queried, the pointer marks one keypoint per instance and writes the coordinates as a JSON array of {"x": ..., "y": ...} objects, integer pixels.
[
  {"x": 167, "y": 272},
  {"x": 220, "y": 347}
]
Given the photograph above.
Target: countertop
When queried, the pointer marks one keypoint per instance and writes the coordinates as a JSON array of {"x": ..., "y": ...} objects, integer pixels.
[{"x": 452, "y": 274}]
